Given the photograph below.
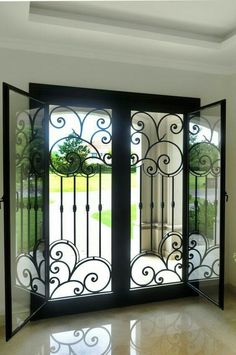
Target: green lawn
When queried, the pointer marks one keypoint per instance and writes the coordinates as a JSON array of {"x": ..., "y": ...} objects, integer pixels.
[
  {"x": 54, "y": 181},
  {"x": 106, "y": 217}
]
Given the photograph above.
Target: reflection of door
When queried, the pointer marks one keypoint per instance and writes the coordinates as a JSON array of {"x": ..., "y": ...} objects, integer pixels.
[
  {"x": 25, "y": 210},
  {"x": 206, "y": 180},
  {"x": 115, "y": 197}
]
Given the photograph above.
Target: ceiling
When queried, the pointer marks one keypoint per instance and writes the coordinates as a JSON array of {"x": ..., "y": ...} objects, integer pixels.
[{"x": 193, "y": 35}]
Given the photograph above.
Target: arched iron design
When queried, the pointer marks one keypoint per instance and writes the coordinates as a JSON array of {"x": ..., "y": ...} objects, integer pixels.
[
  {"x": 30, "y": 269},
  {"x": 153, "y": 136},
  {"x": 71, "y": 276},
  {"x": 154, "y": 268},
  {"x": 86, "y": 158},
  {"x": 95, "y": 340}
]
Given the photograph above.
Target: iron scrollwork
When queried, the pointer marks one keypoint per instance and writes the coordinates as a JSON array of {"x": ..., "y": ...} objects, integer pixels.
[
  {"x": 204, "y": 162},
  {"x": 160, "y": 156},
  {"x": 71, "y": 276}
]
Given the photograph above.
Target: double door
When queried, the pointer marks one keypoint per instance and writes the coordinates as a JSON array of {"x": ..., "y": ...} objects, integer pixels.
[{"x": 110, "y": 198}]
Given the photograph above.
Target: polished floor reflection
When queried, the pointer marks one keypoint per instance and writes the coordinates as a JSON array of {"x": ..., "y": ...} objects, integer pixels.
[{"x": 184, "y": 326}]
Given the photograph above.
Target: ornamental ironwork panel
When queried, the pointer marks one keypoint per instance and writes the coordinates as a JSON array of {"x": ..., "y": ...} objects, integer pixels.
[
  {"x": 156, "y": 198},
  {"x": 204, "y": 198},
  {"x": 80, "y": 201}
]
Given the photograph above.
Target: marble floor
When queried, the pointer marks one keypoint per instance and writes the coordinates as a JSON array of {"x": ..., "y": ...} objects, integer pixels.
[{"x": 183, "y": 326}]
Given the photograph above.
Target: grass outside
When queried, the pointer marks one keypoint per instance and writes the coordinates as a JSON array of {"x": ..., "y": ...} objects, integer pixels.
[
  {"x": 106, "y": 217},
  {"x": 68, "y": 183}
]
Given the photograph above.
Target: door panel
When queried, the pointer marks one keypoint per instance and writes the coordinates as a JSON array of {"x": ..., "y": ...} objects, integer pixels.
[
  {"x": 80, "y": 201},
  {"x": 156, "y": 198},
  {"x": 206, "y": 190},
  {"x": 24, "y": 212}
]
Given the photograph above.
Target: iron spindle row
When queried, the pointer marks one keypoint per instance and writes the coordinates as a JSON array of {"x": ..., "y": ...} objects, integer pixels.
[
  {"x": 29, "y": 210},
  {"x": 100, "y": 211},
  {"x": 74, "y": 207},
  {"x": 151, "y": 213},
  {"x": 162, "y": 206},
  {"x": 206, "y": 206},
  {"x": 87, "y": 214},
  {"x": 61, "y": 205},
  {"x": 36, "y": 209},
  {"x": 173, "y": 203},
  {"x": 21, "y": 211},
  {"x": 140, "y": 210},
  {"x": 196, "y": 205}
]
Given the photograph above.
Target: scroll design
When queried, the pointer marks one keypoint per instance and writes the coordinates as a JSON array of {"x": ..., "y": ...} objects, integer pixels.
[
  {"x": 152, "y": 136},
  {"x": 71, "y": 276},
  {"x": 30, "y": 269},
  {"x": 84, "y": 155},
  {"x": 153, "y": 268},
  {"x": 203, "y": 259}
]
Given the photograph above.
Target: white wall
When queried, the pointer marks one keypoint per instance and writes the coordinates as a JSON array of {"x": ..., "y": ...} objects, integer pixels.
[{"x": 20, "y": 67}]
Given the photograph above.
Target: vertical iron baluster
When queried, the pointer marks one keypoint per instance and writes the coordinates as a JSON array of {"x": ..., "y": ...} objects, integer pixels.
[
  {"x": 173, "y": 203},
  {"x": 206, "y": 207},
  {"x": 29, "y": 210},
  {"x": 162, "y": 206},
  {"x": 36, "y": 209},
  {"x": 87, "y": 213},
  {"x": 151, "y": 212},
  {"x": 196, "y": 206},
  {"x": 61, "y": 205},
  {"x": 216, "y": 206},
  {"x": 100, "y": 211},
  {"x": 21, "y": 211},
  {"x": 74, "y": 207},
  {"x": 140, "y": 209}
]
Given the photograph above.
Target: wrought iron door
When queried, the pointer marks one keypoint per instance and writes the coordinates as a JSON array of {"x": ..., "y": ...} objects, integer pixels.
[
  {"x": 119, "y": 177},
  {"x": 206, "y": 201},
  {"x": 25, "y": 206}
]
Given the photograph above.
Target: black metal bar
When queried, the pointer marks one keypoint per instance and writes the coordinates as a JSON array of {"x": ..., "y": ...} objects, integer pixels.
[
  {"x": 206, "y": 207},
  {"x": 196, "y": 205},
  {"x": 36, "y": 208},
  {"x": 21, "y": 212},
  {"x": 7, "y": 210},
  {"x": 74, "y": 207},
  {"x": 61, "y": 205},
  {"x": 140, "y": 207},
  {"x": 29, "y": 211},
  {"x": 151, "y": 213},
  {"x": 222, "y": 202},
  {"x": 100, "y": 212},
  {"x": 185, "y": 213},
  {"x": 87, "y": 215},
  {"x": 173, "y": 203},
  {"x": 162, "y": 206},
  {"x": 216, "y": 209}
]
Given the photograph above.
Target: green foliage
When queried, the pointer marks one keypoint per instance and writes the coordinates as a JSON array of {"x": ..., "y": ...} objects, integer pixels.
[
  {"x": 205, "y": 218},
  {"x": 70, "y": 156}
]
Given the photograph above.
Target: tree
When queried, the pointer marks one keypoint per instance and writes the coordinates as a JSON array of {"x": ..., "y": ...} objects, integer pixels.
[{"x": 70, "y": 157}]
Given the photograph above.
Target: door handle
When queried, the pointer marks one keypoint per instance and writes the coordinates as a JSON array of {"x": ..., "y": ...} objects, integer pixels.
[
  {"x": 226, "y": 197},
  {"x": 1, "y": 201}
]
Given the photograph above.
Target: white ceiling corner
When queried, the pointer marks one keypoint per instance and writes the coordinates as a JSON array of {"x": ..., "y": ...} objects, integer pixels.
[{"x": 192, "y": 35}]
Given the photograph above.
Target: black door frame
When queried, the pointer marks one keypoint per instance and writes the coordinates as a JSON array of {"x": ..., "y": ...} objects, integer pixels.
[{"x": 121, "y": 104}]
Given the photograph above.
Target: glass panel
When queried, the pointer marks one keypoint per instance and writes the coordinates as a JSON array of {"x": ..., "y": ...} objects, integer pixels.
[
  {"x": 156, "y": 198},
  {"x": 27, "y": 174},
  {"x": 204, "y": 200},
  {"x": 80, "y": 201}
]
